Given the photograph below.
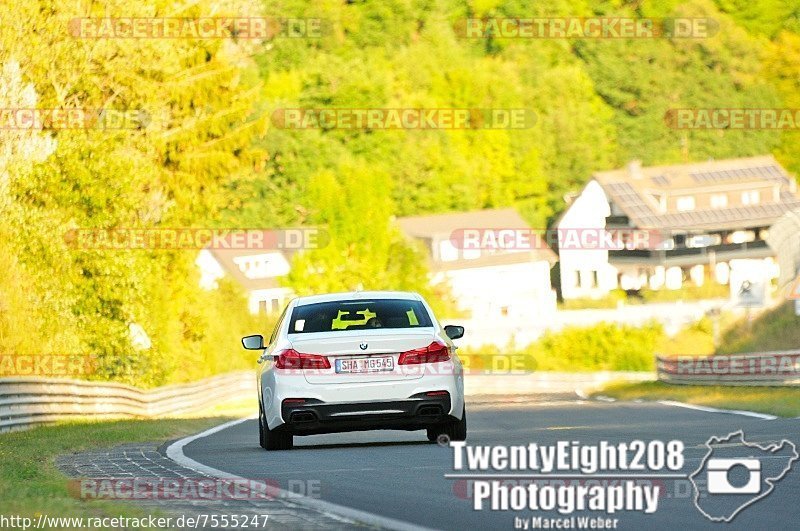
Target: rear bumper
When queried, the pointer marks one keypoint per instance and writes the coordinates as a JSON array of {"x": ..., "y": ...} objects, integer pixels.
[
  {"x": 274, "y": 388},
  {"x": 416, "y": 412}
]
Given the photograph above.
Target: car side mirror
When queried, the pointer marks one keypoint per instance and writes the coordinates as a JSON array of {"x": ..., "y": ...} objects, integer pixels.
[
  {"x": 453, "y": 331},
  {"x": 253, "y": 342}
]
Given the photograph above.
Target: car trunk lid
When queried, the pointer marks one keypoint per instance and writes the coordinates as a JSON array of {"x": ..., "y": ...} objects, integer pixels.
[{"x": 363, "y": 356}]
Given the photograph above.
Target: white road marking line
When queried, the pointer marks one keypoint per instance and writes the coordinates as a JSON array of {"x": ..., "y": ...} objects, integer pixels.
[
  {"x": 346, "y": 514},
  {"x": 760, "y": 457},
  {"x": 606, "y": 399},
  {"x": 735, "y": 445},
  {"x": 581, "y": 394},
  {"x": 707, "y": 409},
  {"x": 325, "y": 471},
  {"x": 522, "y": 405},
  {"x": 566, "y": 476}
]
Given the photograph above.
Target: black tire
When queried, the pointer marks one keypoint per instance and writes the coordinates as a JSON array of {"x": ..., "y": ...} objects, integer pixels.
[
  {"x": 455, "y": 430},
  {"x": 271, "y": 440},
  {"x": 261, "y": 438}
]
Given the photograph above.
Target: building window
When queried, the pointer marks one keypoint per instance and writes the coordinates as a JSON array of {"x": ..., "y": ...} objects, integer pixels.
[
  {"x": 661, "y": 199},
  {"x": 742, "y": 236},
  {"x": 588, "y": 280},
  {"x": 685, "y": 203},
  {"x": 751, "y": 197},
  {"x": 269, "y": 306},
  {"x": 719, "y": 200}
]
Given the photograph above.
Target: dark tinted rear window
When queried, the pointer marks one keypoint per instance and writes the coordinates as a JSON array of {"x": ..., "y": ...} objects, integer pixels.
[{"x": 358, "y": 315}]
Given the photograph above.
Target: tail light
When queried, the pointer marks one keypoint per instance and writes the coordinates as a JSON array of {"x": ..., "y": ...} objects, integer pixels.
[
  {"x": 433, "y": 353},
  {"x": 291, "y": 359}
]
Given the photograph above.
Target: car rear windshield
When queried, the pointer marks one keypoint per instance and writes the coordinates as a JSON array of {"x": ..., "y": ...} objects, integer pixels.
[{"x": 358, "y": 315}]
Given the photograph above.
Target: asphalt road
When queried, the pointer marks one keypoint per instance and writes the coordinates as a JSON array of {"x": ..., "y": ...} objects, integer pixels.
[{"x": 401, "y": 475}]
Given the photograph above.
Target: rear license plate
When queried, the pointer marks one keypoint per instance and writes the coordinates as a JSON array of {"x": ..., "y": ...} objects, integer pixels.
[{"x": 374, "y": 364}]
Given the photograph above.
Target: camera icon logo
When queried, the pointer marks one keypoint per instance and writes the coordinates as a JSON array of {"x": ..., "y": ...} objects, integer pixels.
[
  {"x": 735, "y": 474},
  {"x": 719, "y": 476}
]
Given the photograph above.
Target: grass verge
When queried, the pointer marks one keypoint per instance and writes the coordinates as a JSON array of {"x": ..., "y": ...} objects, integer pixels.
[
  {"x": 776, "y": 329},
  {"x": 780, "y": 401},
  {"x": 31, "y": 484}
]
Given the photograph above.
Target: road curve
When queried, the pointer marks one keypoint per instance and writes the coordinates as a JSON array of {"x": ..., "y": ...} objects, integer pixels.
[{"x": 400, "y": 475}]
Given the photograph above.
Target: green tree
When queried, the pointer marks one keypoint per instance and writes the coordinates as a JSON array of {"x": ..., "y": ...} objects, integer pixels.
[{"x": 364, "y": 250}]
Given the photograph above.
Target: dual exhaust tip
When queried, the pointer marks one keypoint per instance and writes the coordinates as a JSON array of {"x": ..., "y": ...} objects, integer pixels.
[
  {"x": 299, "y": 417},
  {"x": 303, "y": 416}
]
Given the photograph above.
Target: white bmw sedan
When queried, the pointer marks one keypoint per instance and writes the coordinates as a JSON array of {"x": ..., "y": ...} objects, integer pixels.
[{"x": 359, "y": 361}]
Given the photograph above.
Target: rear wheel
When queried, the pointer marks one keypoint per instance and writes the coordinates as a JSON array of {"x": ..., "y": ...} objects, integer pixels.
[
  {"x": 277, "y": 439},
  {"x": 456, "y": 430}
]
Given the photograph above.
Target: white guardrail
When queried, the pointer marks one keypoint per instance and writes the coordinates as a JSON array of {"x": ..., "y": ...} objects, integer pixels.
[
  {"x": 757, "y": 368},
  {"x": 26, "y": 402}
]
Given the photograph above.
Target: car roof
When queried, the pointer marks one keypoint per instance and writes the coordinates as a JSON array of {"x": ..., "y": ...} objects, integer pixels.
[{"x": 355, "y": 295}]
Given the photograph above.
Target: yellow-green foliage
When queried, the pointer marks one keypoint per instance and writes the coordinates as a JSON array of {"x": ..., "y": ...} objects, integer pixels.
[
  {"x": 602, "y": 347},
  {"x": 695, "y": 339},
  {"x": 776, "y": 329},
  {"x": 201, "y": 96}
]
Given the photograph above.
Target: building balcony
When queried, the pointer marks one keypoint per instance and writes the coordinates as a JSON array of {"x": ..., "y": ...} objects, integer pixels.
[{"x": 682, "y": 255}]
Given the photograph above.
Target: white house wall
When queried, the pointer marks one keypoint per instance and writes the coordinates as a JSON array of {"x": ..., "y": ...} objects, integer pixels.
[
  {"x": 210, "y": 270},
  {"x": 586, "y": 272},
  {"x": 516, "y": 291},
  {"x": 273, "y": 300}
]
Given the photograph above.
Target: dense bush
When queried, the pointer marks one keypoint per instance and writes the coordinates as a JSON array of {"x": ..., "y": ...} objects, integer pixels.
[{"x": 602, "y": 347}]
